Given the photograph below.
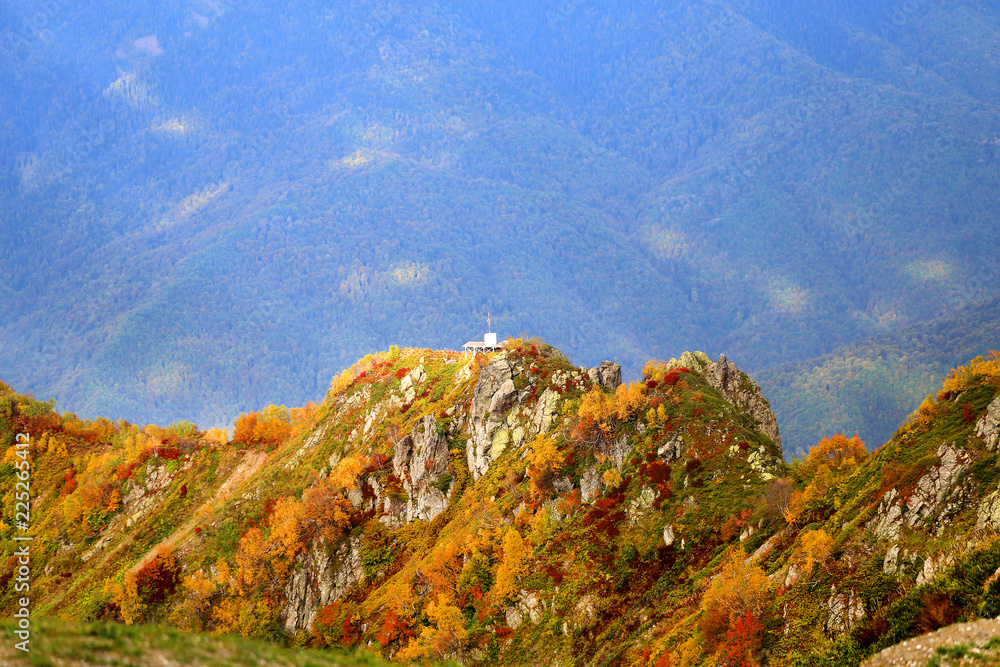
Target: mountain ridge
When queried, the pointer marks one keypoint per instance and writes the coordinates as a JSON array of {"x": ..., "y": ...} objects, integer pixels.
[{"x": 512, "y": 508}]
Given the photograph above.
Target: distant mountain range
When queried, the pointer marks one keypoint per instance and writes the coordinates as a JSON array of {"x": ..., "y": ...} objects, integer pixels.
[{"x": 212, "y": 206}]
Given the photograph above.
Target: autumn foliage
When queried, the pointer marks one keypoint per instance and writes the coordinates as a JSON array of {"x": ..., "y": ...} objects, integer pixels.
[
  {"x": 732, "y": 608},
  {"x": 263, "y": 429}
]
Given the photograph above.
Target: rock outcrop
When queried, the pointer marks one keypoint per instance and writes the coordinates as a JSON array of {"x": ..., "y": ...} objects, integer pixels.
[
  {"x": 502, "y": 418},
  {"x": 935, "y": 498},
  {"x": 988, "y": 427},
  {"x": 743, "y": 393},
  {"x": 608, "y": 375},
  {"x": 420, "y": 460},
  {"x": 494, "y": 390},
  {"x": 319, "y": 580}
]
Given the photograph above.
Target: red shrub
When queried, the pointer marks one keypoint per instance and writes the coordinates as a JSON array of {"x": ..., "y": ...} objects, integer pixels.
[
  {"x": 158, "y": 579},
  {"x": 663, "y": 660},
  {"x": 968, "y": 416},
  {"x": 666, "y": 493},
  {"x": 744, "y": 446},
  {"x": 184, "y": 490},
  {"x": 169, "y": 453},
  {"x": 335, "y": 624},
  {"x": 671, "y": 378},
  {"x": 658, "y": 473},
  {"x": 125, "y": 470},
  {"x": 652, "y": 384},
  {"x": 69, "y": 482},
  {"x": 743, "y": 641},
  {"x": 401, "y": 373},
  {"x": 393, "y": 628}
]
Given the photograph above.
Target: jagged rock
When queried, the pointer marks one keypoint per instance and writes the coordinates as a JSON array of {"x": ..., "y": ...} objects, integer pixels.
[
  {"x": 843, "y": 612},
  {"x": 528, "y": 607},
  {"x": 928, "y": 499},
  {"x": 937, "y": 485},
  {"x": 890, "y": 564},
  {"x": 584, "y": 614},
  {"x": 671, "y": 450},
  {"x": 401, "y": 452},
  {"x": 636, "y": 508},
  {"x": 792, "y": 576},
  {"x": 888, "y": 519},
  {"x": 668, "y": 535},
  {"x": 740, "y": 390},
  {"x": 419, "y": 460},
  {"x": 988, "y": 515},
  {"x": 492, "y": 381},
  {"x": 320, "y": 580},
  {"x": 590, "y": 483},
  {"x": 562, "y": 485},
  {"x": 608, "y": 375},
  {"x": 764, "y": 550},
  {"x": 933, "y": 565},
  {"x": 619, "y": 451},
  {"x": 408, "y": 385},
  {"x": 504, "y": 397},
  {"x": 761, "y": 462},
  {"x": 545, "y": 410},
  {"x": 988, "y": 427}
]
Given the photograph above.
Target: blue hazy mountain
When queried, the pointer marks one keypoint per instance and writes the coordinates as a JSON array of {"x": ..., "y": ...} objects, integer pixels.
[{"x": 209, "y": 206}]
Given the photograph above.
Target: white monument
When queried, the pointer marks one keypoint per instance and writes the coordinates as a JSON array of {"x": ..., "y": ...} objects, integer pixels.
[{"x": 489, "y": 342}]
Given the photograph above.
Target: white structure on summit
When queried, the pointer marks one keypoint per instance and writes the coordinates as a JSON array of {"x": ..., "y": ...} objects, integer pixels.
[{"x": 489, "y": 342}]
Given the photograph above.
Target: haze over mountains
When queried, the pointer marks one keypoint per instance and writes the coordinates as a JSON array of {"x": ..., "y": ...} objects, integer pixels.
[{"x": 208, "y": 207}]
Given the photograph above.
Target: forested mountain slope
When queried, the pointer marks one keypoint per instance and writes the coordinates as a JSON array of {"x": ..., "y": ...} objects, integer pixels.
[
  {"x": 515, "y": 509},
  {"x": 211, "y": 206},
  {"x": 868, "y": 388}
]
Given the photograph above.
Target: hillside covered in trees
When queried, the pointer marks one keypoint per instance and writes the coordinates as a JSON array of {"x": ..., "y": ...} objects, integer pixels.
[
  {"x": 512, "y": 508},
  {"x": 868, "y": 388},
  {"x": 210, "y": 206}
]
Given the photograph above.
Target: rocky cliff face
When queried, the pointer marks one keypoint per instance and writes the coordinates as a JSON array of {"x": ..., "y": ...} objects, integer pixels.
[
  {"x": 421, "y": 510},
  {"x": 421, "y": 461}
]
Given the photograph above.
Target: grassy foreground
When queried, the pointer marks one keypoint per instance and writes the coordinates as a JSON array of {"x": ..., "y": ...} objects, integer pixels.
[{"x": 59, "y": 644}]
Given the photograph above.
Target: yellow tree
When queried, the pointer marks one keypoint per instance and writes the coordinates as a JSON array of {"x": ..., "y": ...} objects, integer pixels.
[
  {"x": 595, "y": 416},
  {"x": 545, "y": 460},
  {"x": 629, "y": 400},
  {"x": 815, "y": 547},
  {"x": 444, "y": 637},
  {"x": 513, "y": 565},
  {"x": 733, "y": 605}
]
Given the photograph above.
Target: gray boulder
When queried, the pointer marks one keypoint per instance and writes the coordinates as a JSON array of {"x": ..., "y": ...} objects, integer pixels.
[{"x": 608, "y": 375}]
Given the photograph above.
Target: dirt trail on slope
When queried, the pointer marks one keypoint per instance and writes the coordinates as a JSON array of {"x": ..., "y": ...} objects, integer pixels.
[{"x": 250, "y": 465}]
